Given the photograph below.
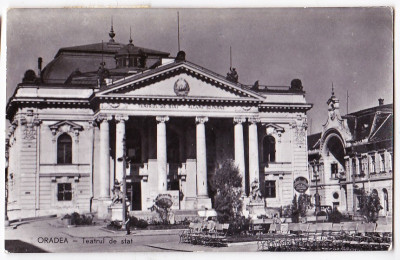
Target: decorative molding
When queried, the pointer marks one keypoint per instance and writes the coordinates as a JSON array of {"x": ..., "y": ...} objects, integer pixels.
[
  {"x": 66, "y": 127},
  {"x": 201, "y": 119},
  {"x": 274, "y": 129},
  {"x": 239, "y": 120},
  {"x": 181, "y": 87},
  {"x": 120, "y": 118},
  {"x": 162, "y": 119},
  {"x": 300, "y": 128},
  {"x": 254, "y": 120},
  {"x": 92, "y": 124},
  {"x": 29, "y": 122},
  {"x": 102, "y": 117}
]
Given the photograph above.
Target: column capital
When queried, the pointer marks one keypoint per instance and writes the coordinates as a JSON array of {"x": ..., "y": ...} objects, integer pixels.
[
  {"x": 121, "y": 118},
  {"x": 201, "y": 119},
  {"x": 162, "y": 119},
  {"x": 254, "y": 120},
  {"x": 102, "y": 117},
  {"x": 239, "y": 120}
]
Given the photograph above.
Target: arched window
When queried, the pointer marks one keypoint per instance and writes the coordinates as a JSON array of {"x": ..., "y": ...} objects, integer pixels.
[
  {"x": 269, "y": 149},
  {"x": 64, "y": 149},
  {"x": 385, "y": 200}
]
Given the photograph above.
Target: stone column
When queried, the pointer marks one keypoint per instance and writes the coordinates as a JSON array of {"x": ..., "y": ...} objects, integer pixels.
[
  {"x": 201, "y": 157},
  {"x": 239, "y": 148},
  {"x": 104, "y": 157},
  {"x": 254, "y": 167},
  {"x": 119, "y": 145},
  {"x": 162, "y": 152}
]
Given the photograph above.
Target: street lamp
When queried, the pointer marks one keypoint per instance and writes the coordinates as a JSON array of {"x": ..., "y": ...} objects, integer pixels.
[
  {"x": 123, "y": 159},
  {"x": 353, "y": 175},
  {"x": 317, "y": 197}
]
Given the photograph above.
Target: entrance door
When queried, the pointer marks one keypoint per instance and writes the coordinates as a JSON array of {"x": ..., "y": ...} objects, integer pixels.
[{"x": 134, "y": 193}]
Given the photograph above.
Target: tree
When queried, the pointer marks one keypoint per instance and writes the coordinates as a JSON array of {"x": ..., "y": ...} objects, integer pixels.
[
  {"x": 370, "y": 205},
  {"x": 295, "y": 210},
  {"x": 227, "y": 182},
  {"x": 303, "y": 203},
  {"x": 299, "y": 207}
]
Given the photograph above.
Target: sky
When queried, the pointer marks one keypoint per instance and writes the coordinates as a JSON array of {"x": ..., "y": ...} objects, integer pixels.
[{"x": 351, "y": 48}]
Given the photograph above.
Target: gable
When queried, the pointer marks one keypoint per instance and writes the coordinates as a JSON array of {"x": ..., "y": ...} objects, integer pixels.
[
  {"x": 179, "y": 80},
  {"x": 182, "y": 85}
]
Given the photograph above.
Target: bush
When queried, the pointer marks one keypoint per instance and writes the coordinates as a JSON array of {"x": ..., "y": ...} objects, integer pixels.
[
  {"x": 77, "y": 219},
  {"x": 142, "y": 223},
  {"x": 335, "y": 216},
  {"x": 133, "y": 221},
  {"x": 114, "y": 225},
  {"x": 67, "y": 216},
  {"x": 239, "y": 226}
]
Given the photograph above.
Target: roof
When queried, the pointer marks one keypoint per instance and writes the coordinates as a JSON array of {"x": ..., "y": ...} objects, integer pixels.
[
  {"x": 373, "y": 126},
  {"x": 136, "y": 50},
  {"x": 101, "y": 47},
  {"x": 87, "y": 58},
  {"x": 313, "y": 141},
  {"x": 373, "y": 123}
]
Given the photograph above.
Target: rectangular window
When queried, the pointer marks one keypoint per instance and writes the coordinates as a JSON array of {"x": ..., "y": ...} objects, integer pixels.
[
  {"x": 383, "y": 169},
  {"x": 372, "y": 163},
  {"x": 354, "y": 166},
  {"x": 270, "y": 189},
  {"x": 334, "y": 170},
  {"x": 64, "y": 192},
  {"x": 364, "y": 163}
]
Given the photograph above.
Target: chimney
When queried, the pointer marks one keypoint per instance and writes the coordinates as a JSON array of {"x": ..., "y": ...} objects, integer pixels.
[
  {"x": 380, "y": 101},
  {"x": 40, "y": 65}
]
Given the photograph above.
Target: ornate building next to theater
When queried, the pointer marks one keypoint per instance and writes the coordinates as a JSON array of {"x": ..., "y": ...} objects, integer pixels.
[
  {"x": 70, "y": 122},
  {"x": 353, "y": 154}
]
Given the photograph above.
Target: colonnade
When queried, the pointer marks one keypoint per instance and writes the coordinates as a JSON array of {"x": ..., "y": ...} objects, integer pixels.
[{"x": 201, "y": 151}]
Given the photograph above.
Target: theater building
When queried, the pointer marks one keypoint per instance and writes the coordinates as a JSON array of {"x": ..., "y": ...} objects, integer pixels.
[
  {"x": 69, "y": 120},
  {"x": 353, "y": 153}
]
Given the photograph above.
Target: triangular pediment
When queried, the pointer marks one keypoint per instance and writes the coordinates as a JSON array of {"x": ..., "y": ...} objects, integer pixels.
[
  {"x": 65, "y": 124},
  {"x": 179, "y": 80},
  {"x": 274, "y": 128}
]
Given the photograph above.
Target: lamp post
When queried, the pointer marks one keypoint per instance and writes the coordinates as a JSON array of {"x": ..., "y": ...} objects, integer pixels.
[
  {"x": 317, "y": 197},
  {"x": 353, "y": 175},
  {"x": 123, "y": 159}
]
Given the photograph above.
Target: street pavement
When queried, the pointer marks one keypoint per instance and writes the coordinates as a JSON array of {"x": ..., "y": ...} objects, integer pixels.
[{"x": 49, "y": 236}]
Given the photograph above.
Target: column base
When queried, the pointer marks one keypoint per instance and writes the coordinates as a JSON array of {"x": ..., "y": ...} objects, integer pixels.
[
  {"x": 103, "y": 208},
  {"x": 245, "y": 211},
  {"x": 190, "y": 203},
  {"x": 203, "y": 203}
]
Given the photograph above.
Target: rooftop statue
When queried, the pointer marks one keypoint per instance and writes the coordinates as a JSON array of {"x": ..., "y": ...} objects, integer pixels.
[{"x": 232, "y": 75}]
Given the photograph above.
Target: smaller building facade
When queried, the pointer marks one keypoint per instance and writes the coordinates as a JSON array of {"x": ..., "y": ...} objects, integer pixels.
[{"x": 352, "y": 154}]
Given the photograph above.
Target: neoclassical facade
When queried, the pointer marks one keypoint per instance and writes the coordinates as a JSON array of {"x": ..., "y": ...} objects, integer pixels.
[
  {"x": 70, "y": 123},
  {"x": 353, "y": 153}
]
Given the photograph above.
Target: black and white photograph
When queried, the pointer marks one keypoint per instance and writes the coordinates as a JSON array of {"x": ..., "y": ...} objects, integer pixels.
[{"x": 199, "y": 129}]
